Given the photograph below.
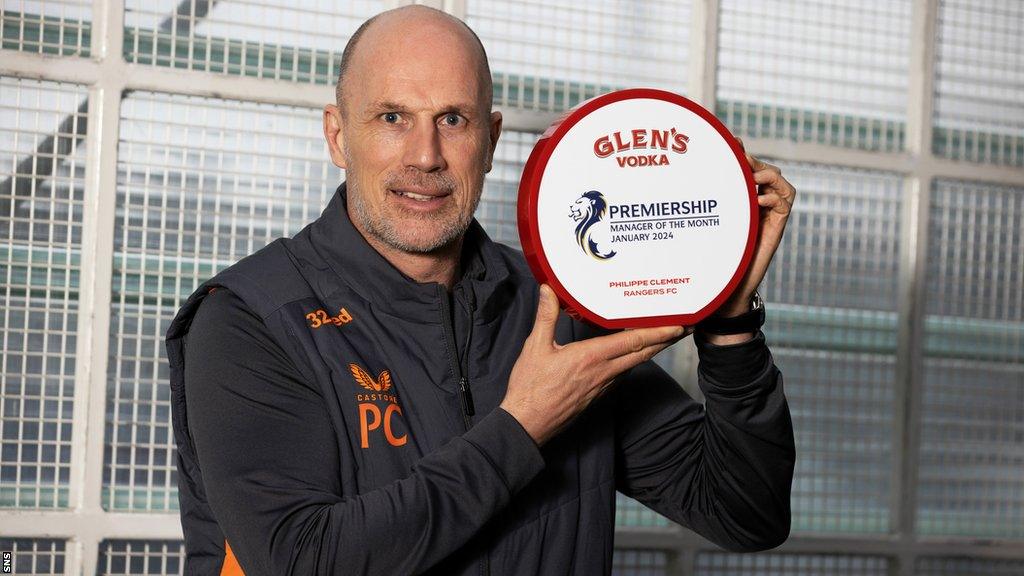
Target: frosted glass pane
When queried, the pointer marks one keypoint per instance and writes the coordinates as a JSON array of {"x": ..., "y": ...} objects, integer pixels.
[
  {"x": 198, "y": 189},
  {"x": 828, "y": 71},
  {"x": 550, "y": 55}
]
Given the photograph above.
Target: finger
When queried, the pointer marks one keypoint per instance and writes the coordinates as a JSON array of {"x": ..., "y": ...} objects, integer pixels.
[
  {"x": 768, "y": 176},
  {"x": 629, "y": 341},
  {"x": 771, "y": 178},
  {"x": 616, "y": 366},
  {"x": 774, "y": 202},
  {"x": 547, "y": 316},
  {"x": 755, "y": 164},
  {"x": 786, "y": 193},
  {"x": 686, "y": 329}
]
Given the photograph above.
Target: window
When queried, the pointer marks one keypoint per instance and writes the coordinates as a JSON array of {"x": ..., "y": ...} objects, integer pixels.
[{"x": 894, "y": 305}]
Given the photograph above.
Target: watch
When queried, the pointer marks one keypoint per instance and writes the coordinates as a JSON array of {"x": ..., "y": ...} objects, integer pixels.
[{"x": 748, "y": 322}]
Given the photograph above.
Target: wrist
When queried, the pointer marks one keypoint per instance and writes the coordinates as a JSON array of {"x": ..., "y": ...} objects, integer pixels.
[
  {"x": 727, "y": 339},
  {"x": 739, "y": 304},
  {"x": 732, "y": 323},
  {"x": 533, "y": 429},
  {"x": 731, "y": 310}
]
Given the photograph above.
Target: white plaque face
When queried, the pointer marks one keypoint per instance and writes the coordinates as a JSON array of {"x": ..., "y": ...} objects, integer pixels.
[{"x": 639, "y": 209}]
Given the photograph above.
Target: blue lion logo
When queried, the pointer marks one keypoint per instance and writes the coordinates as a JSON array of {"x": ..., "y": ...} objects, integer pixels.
[{"x": 586, "y": 211}]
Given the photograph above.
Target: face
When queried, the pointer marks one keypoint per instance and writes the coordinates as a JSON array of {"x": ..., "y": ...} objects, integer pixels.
[{"x": 415, "y": 135}]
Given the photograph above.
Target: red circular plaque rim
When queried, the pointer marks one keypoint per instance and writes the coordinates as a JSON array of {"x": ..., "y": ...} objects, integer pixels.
[{"x": 529, "y": 188}]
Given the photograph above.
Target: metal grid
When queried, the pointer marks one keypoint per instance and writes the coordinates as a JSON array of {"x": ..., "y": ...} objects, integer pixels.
[
  {"x": 497, "y": 209},
  {"x": 972, "y": 448},
  {"x": 639, "y": 563},
  {"x": 831, "y": 294},
  {"x": 954, "y": 566},
  {"x": 41, "y": 185},
  {"x": 197, "y": 191},
  {"x": 827, "y": 71},
  {"x": 140, "y": 557},
  {"x": 297, "y": 40},
  {"x": 773, "y": 564},
  {"x": 977, "y": 237},
  {"x": 841, "y": 404},
  {"x": 33, "y": 557},
  {"x": 60, "y": 27},
  {"x": 979, "y": 110},
  {"x": 975, "y": 299},
  {"x": 550, "y": 55},
  {"x": 630, "y": 513},
  {"x": 841, "y": 247}
]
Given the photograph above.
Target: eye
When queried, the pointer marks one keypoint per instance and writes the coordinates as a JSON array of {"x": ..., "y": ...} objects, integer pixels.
[
  {"x": 390, "y": 117},
  {"x": 452, "y": 119}
]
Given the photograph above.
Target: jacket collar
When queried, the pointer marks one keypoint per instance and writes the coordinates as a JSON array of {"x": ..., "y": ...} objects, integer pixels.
[{"x": 376, "y": 280}]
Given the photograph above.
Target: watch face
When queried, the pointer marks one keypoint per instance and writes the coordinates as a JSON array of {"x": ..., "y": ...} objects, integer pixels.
[{"x": 639, "y": 209}]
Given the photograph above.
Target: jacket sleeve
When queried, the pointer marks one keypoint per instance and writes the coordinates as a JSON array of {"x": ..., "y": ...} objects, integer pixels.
[
  {"x": 269, "y": 457},
  {"x": 724, "y": 469}
]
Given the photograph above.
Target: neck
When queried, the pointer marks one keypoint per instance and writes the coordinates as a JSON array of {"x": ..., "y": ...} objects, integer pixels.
[{"x": 441, "y": 265}]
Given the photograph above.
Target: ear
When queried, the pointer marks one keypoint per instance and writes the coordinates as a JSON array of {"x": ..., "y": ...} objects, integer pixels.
[
  {"x": 494, "y": 130},
  {"x": 334, "y": 135}
]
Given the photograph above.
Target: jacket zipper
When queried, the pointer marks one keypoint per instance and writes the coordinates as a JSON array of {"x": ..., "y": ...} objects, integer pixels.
[{"x": 465, "y": 393}]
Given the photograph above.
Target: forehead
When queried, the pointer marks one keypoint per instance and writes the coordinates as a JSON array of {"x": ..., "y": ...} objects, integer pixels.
[{"x": 422, "y": 62}]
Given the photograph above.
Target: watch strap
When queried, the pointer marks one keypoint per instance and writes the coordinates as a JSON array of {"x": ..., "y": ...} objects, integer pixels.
[{"x": 748, "y": 322}]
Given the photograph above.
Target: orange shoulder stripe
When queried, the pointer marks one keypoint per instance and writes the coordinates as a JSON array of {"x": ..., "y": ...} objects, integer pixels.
[{"x": 230, "y": 567}]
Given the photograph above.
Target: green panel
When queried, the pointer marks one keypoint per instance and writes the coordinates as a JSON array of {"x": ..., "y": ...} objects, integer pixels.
[
  {"x": 974, "y": 339},
  {"x": 977, "y": 146},
  {"x": 832, "y": 329},
  {"x": 228, "y": 56},
  {"x": 14, "y": 496},
  {"x": 802, "y": 125},
  {"x": 142, "y": 500},
  {"x": 45, "y": 34}
]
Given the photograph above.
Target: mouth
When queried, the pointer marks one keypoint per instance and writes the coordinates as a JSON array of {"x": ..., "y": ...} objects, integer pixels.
[
  {"x": 419, "y": 194},
  {"x": 421, "y": 200}
]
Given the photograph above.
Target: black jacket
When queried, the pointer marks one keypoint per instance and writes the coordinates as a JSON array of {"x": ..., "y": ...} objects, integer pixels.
[{"x": 334, "y": 417}]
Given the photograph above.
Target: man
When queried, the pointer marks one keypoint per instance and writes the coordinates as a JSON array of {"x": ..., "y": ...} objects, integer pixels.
[{"x": 389, "y": 392}]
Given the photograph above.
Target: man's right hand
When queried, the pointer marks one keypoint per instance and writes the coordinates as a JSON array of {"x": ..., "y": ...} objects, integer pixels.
[{"x": 550, "y": 383}]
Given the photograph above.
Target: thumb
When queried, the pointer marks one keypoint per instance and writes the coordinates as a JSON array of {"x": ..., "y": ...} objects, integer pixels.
[{"x": 547, "y": 315}]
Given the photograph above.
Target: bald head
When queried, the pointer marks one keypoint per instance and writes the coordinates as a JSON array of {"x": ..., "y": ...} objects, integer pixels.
[{"x": 396, "y": 24}]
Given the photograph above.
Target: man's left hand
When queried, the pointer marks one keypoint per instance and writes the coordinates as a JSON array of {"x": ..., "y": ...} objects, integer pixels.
[{"x": 775, "y": 198}]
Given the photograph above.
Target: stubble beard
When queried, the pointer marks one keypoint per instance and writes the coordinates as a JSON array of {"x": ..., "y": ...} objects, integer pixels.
[{"x": 450, "y": 224}]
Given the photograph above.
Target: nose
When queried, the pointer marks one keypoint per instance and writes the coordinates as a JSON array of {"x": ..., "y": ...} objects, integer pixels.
[{"x": 423, "y": 148}]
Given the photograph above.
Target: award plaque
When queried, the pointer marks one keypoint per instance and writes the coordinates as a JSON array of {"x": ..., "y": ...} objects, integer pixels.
[{"x": 639, "y": 209}]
